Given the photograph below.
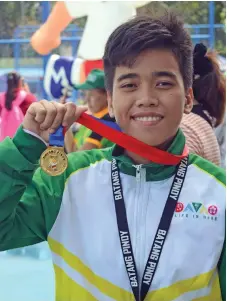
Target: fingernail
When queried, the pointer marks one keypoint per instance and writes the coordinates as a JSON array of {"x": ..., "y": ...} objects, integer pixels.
[{"x": 52, "y": 131}]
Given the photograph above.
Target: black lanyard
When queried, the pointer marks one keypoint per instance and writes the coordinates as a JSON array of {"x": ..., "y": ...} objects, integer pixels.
[{"x": 161, "y": 233}]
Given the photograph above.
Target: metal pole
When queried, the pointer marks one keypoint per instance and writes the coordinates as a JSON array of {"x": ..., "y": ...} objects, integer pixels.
[
  {"x": 45, "y": 5},
  {"x": 211, "y": 24},
  {"x": 16, "y": 50},
  {"x": 22, "y": 12}
]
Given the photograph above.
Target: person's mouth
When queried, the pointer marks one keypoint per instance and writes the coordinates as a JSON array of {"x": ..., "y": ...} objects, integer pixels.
[{"x": 147, "y": 118}]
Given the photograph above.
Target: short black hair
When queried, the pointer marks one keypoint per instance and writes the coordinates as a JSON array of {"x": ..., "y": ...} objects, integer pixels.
[{"x": 144, "y": 33}]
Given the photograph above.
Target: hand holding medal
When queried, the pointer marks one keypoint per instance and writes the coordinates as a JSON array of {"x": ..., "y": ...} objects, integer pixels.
[
  {"x": 46, "y": 119},
  {"x": 54, "y": 160}
]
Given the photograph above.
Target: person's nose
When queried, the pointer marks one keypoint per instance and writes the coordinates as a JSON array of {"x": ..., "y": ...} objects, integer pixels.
[{"x": 147, "y": 97}]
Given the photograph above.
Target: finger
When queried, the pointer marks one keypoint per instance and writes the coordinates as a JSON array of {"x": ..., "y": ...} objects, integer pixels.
[
  {"x": 61, "y": 110},
  {"x": 38, "y": 112},
  {"x": 69, "y": 117},
  {"x": 63, "y": 99},
  {"x": 79, "y": 111},
  {"x": 51, "y": 112}
]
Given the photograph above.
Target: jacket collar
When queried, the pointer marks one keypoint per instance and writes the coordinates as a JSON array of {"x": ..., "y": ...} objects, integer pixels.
[{"x": 154, "y": 171}]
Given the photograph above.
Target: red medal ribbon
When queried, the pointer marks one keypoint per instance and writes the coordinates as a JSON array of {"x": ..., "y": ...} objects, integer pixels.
[{"x": 130, "y": 143}]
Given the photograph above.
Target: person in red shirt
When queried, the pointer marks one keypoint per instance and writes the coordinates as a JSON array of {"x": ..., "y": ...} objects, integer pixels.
[
  {"x": 14, "y": 104},
  {"x": 15, "y": 83}
]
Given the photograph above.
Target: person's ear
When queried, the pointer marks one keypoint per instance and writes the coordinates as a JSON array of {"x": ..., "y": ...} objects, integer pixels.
[
  {"x": 110, "y": 104},
  {"x": 188, "y": 101}
]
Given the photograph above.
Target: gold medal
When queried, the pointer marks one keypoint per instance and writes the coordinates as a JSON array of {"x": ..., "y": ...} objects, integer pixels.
[{"x": 54, "y": 161}]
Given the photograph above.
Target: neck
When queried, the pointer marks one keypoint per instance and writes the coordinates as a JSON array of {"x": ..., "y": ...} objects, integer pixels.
[{"x": 140, "y": 160}]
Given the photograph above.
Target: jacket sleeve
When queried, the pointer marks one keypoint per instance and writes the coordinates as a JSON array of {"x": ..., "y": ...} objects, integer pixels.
[{"x": 29, "y": 202}]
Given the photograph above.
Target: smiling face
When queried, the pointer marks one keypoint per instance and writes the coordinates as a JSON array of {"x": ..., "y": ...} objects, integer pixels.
[{"x": 148, "y": 100}]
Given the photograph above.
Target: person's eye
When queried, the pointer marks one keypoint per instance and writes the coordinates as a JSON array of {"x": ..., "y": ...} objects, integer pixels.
[
  {"x": 164, "y": 84},
  {"x": 128, "y": 86}
]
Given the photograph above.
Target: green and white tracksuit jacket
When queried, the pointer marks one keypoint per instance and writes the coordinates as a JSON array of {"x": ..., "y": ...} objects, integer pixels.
[{"x": 75, "y": 213}]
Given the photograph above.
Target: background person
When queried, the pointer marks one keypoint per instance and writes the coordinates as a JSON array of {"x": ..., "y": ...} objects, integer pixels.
[
  {"x": 96, "y": 101},
  {"x": 209, "y": 90},
  {"x": 14, "y": 104}
]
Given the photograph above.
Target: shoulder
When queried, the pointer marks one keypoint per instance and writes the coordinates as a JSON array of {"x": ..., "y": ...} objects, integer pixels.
[
  {"x": 194, "y": 124},
  {"x": 30, "y": 98},
  {"x": 191, "y": 125},
  {"x": 207, "y": 170}
]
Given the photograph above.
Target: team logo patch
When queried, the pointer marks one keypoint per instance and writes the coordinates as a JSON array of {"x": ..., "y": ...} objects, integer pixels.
[{"x": 196, "y": 210}]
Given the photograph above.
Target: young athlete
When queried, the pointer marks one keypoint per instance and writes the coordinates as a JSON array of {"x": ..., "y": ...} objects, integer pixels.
[{"x": 122, "y": 227}]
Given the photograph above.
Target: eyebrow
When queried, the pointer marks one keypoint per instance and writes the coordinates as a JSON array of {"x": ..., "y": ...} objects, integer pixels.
[
  {"x": 155, "y": 74},
  {"x": 164, "y": 73},
  {"x": 127, "y": 76}
]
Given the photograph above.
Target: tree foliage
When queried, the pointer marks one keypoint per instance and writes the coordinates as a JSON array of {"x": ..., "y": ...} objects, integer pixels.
[
  {"x": 193, "y": 12},
  {"x": 15, "y": 13}
]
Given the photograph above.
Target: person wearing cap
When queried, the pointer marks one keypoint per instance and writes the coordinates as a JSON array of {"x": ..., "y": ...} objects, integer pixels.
[{"x": 96, "y": 99}]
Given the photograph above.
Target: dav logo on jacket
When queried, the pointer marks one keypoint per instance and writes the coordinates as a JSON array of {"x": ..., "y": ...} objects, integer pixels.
[{"x": 196, "y": 210}]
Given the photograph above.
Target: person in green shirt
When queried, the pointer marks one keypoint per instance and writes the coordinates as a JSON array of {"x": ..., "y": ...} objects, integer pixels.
[
  {"x": 166, "y": 241},
  {"x": 96, "y": 99}
]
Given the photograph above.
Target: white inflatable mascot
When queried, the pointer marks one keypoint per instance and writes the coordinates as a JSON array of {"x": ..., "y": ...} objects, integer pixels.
[{"x": 102, "y": 18}]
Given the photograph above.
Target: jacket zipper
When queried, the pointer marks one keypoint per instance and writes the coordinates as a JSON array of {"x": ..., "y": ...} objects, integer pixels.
[
  {"x": 140, "y": 178},
  {"x": 138, "y": 172}
]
